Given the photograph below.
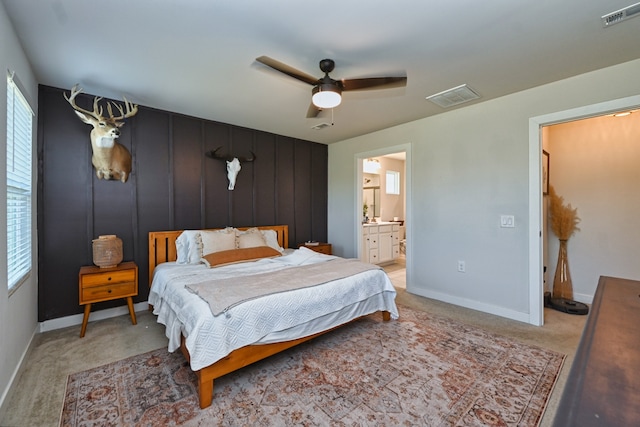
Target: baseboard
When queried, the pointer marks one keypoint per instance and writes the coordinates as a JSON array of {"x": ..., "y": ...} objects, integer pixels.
[
  {"x": 7, "y": 392},
  {"x": 76, "y": 319},
  {"x": 474, "y": 305},
  {"x": 583, "y": 298}
]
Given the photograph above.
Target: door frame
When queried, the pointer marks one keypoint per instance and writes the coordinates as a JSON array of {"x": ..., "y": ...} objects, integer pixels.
[
  {"x": 358, "y": 159},
  {"x": 536, "y": 240}
]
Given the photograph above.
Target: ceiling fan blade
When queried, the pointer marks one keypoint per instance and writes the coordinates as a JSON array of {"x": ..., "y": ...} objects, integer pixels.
[
  {"x": 374, "y": 83},
  {"x": 313, "y": 111},
  {"x": 287, "y": 69}
]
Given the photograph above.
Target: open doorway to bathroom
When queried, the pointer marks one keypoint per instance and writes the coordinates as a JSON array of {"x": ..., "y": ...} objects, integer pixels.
[{"x": 383, "y": 234}]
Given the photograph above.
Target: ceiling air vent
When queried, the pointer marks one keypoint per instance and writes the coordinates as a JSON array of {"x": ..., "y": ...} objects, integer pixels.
[
  {"x": 621, "y": 15},
  {"x": 320, "y": 126},
  {"x": 455, "y": 96}
]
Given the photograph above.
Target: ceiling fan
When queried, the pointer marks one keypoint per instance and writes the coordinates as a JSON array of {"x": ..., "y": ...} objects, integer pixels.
[{"x": 327, "y": 92}]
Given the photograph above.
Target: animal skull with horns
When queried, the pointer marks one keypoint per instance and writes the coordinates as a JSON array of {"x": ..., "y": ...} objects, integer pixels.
[
  {"x": 110, "y": 159},
  {"x": 233, "y": 164}
]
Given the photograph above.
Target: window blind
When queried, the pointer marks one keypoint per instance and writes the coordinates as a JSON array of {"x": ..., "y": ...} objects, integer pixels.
[{"x": 19, "y": 171}]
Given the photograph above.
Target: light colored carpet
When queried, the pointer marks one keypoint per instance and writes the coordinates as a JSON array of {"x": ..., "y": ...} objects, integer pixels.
[
  {"x": 38, "y": 392},
  {"x": 420, "y": 370}
]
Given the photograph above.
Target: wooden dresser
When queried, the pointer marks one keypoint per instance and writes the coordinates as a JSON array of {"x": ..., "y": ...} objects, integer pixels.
[
  {"x": 104, "y": 284},
  {"x": 603, "y": 388}
]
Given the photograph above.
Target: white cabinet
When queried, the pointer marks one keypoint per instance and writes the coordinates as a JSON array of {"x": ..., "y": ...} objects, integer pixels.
[
  {"x": 395, "y": 239},
  {"x": 381, "y": 243},
  {"x": 370, "y": 244},
  {"x": 385, "y": 246},
  {"x": 364, "y": 254}
]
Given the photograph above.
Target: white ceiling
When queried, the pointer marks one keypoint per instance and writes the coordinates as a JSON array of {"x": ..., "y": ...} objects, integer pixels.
[{"x": 197, "y": 57}]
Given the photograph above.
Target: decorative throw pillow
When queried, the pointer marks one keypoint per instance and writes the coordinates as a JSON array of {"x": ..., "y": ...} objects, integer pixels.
[
  {"x": 250, "y": 238},
  {"x": 216, "y": 241},
  {"x": 233, "y": 256},
  {"x": 271, "y": 237},
  {"x": 188, "y": 247}
]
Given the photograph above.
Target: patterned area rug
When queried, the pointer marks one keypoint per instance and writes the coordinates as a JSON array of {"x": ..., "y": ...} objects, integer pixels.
[{"x": 419, "y": 370}]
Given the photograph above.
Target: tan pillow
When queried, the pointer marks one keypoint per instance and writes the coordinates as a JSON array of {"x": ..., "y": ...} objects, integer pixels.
[
  {"x": 217, "y": 259},
  {"x": 250, "y": 238},
  {"x": 216, "y": 241}
]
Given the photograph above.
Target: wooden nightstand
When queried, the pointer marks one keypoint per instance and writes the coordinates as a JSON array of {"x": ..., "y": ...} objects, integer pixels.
[
  {"x": 323, "y": 248},
  {"x": 104, "y": 284}
]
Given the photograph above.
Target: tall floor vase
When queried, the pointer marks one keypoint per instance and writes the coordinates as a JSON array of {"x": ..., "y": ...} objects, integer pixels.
[{"x": 562, "y": 286}]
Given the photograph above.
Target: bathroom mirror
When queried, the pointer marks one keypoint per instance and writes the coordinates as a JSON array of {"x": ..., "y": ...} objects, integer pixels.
[{"x": 371, "y": 197}]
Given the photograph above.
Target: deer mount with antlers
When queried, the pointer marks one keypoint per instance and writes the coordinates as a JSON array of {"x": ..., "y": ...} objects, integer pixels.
[
  {"x": 110, "y": 159},
  {"x": 233, "y": 164}
]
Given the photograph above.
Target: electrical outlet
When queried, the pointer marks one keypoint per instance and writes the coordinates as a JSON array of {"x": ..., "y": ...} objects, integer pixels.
[{"x": 462, "y": 267}]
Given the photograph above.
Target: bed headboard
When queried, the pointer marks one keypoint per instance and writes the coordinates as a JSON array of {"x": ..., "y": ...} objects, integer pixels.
[{"x": 162, "y": 244}]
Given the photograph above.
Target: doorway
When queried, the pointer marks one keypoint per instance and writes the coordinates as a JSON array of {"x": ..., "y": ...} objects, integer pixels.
[
  {"x": 383, "y": 188},
  {"x": 536, "y": 226}
]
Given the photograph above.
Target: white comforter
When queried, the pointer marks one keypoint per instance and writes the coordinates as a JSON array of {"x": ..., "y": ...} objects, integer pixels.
[{"x": 277, "y": 317}]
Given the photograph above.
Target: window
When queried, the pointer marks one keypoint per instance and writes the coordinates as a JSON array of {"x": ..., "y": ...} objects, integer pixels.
[
  {"x": 19, "y": 171},
  {"x": 393, "y": 182}
]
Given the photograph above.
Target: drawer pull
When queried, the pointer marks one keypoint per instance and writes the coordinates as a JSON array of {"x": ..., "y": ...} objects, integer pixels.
[
  {"x": 109, "y": 291},
  {"x": 109, "y": 278}
]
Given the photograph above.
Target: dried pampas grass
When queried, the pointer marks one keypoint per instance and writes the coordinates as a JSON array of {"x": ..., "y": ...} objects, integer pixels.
[{"x": 563, "y": 218}]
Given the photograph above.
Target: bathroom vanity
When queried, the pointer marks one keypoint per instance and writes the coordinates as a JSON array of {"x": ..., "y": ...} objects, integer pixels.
[{"x": 380, "y": 242}]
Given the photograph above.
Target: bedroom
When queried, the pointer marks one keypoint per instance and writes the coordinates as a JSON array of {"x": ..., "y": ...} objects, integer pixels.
[{"x": 487, "y": 158}]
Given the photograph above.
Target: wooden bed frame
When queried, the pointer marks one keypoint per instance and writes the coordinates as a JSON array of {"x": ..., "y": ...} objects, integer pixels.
[{"x": 162, "y": 248}]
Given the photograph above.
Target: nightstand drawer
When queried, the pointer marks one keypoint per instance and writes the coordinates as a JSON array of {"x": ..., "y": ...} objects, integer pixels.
[
  {"x": 323, "y": 249},
  {"x": 108, "y": 292},
  {"x": 108, "y": 277}
]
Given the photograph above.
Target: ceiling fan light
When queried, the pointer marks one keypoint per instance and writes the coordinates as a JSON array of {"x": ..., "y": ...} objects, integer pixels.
[{"x": 326, "y": 96}]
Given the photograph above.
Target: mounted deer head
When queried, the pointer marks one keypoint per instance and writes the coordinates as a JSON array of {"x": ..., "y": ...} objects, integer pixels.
[
  {"x": 110, "y": 159},
  {"x": 233, "y": 164}
]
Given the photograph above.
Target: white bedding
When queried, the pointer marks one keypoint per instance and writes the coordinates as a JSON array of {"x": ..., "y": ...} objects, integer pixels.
[{"x": 272, "y": 318}]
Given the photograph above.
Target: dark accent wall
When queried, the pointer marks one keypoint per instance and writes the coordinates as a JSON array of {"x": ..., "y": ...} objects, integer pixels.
[{"x": 173, "y": 185}]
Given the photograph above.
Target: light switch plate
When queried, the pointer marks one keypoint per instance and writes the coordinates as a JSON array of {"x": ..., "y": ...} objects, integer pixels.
[{"x": 507, "y": 221}]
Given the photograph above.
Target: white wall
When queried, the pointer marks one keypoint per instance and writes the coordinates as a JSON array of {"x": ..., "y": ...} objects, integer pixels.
[
  {"x": 595, "y": 168},
  {"x": 469, "y": 166},
  {"x": 18, "y": 312}
]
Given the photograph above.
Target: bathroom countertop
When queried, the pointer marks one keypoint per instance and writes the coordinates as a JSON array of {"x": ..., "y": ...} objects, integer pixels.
[{"x": 380, "y": 223}]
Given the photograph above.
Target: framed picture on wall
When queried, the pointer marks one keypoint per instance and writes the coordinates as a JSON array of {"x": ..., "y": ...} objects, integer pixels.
[{"x": 545, "y": 173}]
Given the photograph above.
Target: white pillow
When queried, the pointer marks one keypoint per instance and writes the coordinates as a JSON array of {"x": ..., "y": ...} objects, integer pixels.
[
  {"x": 216, "y": 241},
  {"x": 187, "y": 247},
  {"x": 271, "y": 237},
  {"x": 189, "y": 244},
  {"x": 305, "y": 256},
  {"x": 250, "y": 238}
]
